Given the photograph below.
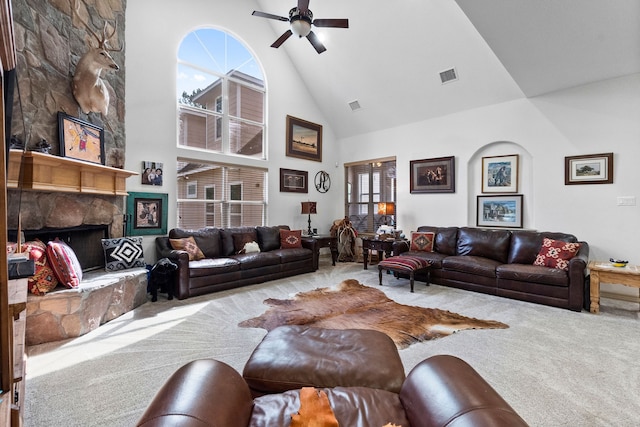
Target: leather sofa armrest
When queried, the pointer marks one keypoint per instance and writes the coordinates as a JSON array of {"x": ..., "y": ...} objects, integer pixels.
[
  {"x": 202, "y": 392},
  {"x": 577, "y": 274},
  {"x": 311, "y": 243},
  {"x": 444, "y": 391},
  {"x": 400, "y": 246}
]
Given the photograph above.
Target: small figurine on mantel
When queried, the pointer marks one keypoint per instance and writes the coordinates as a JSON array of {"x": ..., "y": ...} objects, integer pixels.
[{"x": 42, "y": 147}]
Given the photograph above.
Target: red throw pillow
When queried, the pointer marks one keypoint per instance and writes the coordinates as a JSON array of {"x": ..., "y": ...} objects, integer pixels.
[
  {"x": 290, "y": 239},
  {"x": 44, "y": 280},
  {"x": 64, "y": 263},
  {"x": 421, "y": 241},
  {"x": 556, "y": 254}
]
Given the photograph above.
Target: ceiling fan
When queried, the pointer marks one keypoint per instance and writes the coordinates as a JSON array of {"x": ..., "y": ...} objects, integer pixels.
[{"x": 301, "y": 19}]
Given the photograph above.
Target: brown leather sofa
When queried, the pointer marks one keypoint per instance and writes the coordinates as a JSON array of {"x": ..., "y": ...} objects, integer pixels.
[
  {"x": 224, "y": 268},
  {"x": 500, "y": 262},
  {"x": 440, "y": 391}
]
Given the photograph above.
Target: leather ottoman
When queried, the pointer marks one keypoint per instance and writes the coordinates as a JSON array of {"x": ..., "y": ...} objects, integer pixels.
[
  {"x": 292, "y": 357},
  {"x": 404, "y": 264}
]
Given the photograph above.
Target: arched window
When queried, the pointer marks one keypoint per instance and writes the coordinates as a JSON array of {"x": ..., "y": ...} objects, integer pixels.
[
  {"x": 221, "y": 108},
  {"x": 221, "y": 95}
]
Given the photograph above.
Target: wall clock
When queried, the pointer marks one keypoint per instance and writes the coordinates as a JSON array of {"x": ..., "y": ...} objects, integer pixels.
[{"x": 322, "y": 181}]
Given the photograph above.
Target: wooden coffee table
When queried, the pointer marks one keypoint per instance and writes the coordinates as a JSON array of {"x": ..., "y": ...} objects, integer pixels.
[{"x": 607, "y": 273}]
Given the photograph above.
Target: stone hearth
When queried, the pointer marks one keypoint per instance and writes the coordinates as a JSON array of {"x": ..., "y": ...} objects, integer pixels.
[{"x": 70, "y": 313}]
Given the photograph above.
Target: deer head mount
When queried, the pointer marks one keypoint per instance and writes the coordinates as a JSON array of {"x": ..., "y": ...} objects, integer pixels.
[{"x": 88, "y": 88}]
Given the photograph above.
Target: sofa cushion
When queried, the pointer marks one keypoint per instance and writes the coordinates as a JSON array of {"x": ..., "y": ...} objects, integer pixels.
[
  {"x": 44, "y": 280},
  {"x": 556, "y": 253},
  {"x": 256, "y": 260},
  {"x": 293, "y": 254},
  {"x": 123, "y": 253},
  {"x": 268, "y": 238},
  {"x": 352, "y": 406},
  {"x": 446, "y": 238},
  {"x": 421, "y": 241},
  {"x": 189, "y": 245},
  {"x": 211, "y": 267},
  {"x": 525, "y": 245},
  {"x": 492, "y": 244},
  {"x": 479, "y": 266},
  {"x": 208, "y": 239},
  {"x": 241, "y": 239},
  {"x": 64, "y": 262},
  {"x": 290, "y": 239},
  {"x": 532, "y": 274}
]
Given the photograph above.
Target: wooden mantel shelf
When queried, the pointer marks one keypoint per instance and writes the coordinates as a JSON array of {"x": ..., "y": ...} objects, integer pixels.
[{"x": 46, "y": 172}]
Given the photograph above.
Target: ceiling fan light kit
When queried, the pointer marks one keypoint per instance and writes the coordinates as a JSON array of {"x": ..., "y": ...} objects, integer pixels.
[{"x": 301, "y": 19}]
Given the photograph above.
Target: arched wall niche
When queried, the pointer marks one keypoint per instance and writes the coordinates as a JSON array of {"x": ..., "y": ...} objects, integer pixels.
[{"x": 525, "y": 179}]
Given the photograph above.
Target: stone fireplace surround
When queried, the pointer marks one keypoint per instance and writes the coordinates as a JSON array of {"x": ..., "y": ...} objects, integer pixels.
[{"x": 101, "y": 297}]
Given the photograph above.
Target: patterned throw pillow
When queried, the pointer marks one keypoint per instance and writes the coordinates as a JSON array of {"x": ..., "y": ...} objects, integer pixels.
[
  {"x": 290, "y": 239},
  {"x": 421, "y": 241},
  {"x": 189, "y": 245},
  {"x": 123, "y": 253},
  {"x": 44, "y": 280},
  {"x": 556, "y": 253},
  {"x": 64, "y": 263}
]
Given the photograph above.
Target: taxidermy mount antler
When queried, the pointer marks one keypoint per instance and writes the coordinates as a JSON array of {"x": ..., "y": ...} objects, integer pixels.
[{"x": 88, "y": 88}]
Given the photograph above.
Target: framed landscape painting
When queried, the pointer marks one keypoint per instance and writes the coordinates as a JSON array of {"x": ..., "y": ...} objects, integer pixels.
[
  {"x": 589, "y": 169},
  {"x": 500, "y": 211},
  {"x": 304, "y": 139},
  {"x": 433, "y": 175},
  {"x": 500, "y": 174}
]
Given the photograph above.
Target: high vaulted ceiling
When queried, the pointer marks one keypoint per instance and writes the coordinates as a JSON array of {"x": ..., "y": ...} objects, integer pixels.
[{"x": 390, "y": 58}]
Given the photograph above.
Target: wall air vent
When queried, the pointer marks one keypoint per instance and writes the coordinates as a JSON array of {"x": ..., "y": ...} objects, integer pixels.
[
  {"x": 449, "y": 75},
  {"x": 355, "y": 105}
]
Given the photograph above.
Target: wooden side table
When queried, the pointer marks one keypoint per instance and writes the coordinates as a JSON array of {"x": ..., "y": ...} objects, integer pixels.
[
  {"x": 607, "y": 273},
  {"x": 382, "y": 246},
  {"x": 328, "y": 242}
]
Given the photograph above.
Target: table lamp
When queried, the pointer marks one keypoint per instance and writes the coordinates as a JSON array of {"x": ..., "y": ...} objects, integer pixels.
[
  {"x": 309, "y": 208},
  {"x": 387, "y": 209}
]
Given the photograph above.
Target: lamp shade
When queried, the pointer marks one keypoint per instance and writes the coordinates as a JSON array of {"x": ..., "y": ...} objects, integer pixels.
[
  {"x": 386, "y": 208},
  {"x": 309, "y": 208}
]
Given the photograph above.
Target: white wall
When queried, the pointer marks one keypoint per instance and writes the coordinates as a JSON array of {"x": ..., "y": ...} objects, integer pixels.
[
  {"x": 154, "y": 30},
  {"x": 598, "y": 118}
]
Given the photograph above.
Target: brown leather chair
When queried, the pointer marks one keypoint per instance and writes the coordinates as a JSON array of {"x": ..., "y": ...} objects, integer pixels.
[{"x": 440, "y": 391}]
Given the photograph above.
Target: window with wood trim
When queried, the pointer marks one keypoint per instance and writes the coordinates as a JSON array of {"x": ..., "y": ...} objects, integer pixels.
[
  {"x": 242, "y": 203},
  {"x": 368, "y": 183},
  {"x": 221, "y": 95}
]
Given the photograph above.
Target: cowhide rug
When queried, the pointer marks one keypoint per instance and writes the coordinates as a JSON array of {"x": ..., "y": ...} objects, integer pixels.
[{"x": 351, "y": 305}]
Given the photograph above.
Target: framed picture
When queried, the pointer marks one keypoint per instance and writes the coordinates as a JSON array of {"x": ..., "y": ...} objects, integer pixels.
[
  {"x": 151, "y": 173},
  {"x": 80, "y": 140},
  {"x": 304, "y": 139},
  {"x": 500, "y": 211},
  {"x": 589, "y": 169},
  {"x": 500, "y": 174},
  {"x": 292, "y": 181},
  {"x": 433, "y": 175},
  {"x": 146, "y": 213}
]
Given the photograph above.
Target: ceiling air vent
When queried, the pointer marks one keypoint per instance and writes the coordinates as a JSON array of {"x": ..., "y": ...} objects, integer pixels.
[
  {"x": 355, "y": 105},
  {"x": 449, "y": 75}
]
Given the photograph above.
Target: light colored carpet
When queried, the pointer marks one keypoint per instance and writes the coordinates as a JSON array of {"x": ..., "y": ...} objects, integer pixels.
[{"x": 555, "y": 367}]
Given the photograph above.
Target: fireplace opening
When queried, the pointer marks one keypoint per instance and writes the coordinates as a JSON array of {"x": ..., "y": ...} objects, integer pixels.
[{"x": 85, "y": 240}]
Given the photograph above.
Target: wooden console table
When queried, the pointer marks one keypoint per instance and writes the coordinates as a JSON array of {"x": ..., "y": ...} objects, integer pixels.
[
  {"x": 382, "y": 246},
  {"x": 607, "y": 273}
]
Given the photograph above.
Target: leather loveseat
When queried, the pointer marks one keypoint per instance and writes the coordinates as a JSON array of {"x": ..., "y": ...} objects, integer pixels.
[
  {"x": 225, "y": 266},
  {"x": 440, "y": 391},
  {"x": 501, "y": 262}
]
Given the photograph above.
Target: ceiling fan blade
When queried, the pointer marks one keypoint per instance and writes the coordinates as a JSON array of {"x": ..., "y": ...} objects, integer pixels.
[
  {"x": 335, "y": 23},
  {"x": 303, "y": 6},
  {"x": 315, "y": 41},
  {"x": 270, "y": 16},
  {"x": 282, "y": 39}
]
